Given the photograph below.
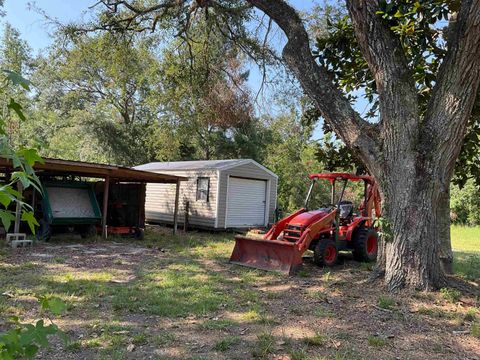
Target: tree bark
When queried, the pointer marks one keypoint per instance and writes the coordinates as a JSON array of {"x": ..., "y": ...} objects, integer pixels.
[
  {"x": 411, "y": 240},
  {"x": 445, "y": 249}
]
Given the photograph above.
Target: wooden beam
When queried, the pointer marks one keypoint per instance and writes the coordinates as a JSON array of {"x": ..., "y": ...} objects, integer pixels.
[
  {"x": 141, "y": 203},
  {"x": 18, "y": 209},
  {"x": 175, "y": 211},
  {"x": 106, "y": 189}
]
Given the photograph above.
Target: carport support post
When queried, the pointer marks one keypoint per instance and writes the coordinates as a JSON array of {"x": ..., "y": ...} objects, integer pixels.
[
  {"x": 106, "y": 189},
  {"x": 175, "y": 211},
  {"x": 18, "y": 210}
]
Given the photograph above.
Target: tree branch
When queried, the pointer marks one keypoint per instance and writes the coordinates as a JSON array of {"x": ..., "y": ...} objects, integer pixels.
[
  {"x": 458, "y": 80},
  {"x": 316, "y": 81},
  {"x": 387, "y": 62}
]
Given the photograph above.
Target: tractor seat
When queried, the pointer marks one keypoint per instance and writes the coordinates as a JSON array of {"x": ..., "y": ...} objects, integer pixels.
[{"x": 346, "y": 209}]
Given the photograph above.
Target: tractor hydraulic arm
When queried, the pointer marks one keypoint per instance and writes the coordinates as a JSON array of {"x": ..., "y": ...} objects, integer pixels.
[{"x": 279, "y": 226}]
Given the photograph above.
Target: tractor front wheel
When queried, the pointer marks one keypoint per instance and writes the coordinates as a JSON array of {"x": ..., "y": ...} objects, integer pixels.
[
  {"x": 325, "y": 253},
  {"x": 365, "y": 245}
]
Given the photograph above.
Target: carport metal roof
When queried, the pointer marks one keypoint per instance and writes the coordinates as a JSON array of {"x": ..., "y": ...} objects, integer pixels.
[{"x": 113, "y": 172}]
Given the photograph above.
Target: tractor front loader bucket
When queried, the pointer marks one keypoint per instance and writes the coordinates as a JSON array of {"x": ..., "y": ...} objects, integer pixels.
[{"x": 273, "y": 255}]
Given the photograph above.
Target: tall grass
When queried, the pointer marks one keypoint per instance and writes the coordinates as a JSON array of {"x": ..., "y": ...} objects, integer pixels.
[{"x": 466, "y": 248}]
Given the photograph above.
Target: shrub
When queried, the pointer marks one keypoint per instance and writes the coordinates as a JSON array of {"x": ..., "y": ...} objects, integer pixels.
[
  {"x": 475, "y": 330},
  {"x": 465, "y": 204},
  {"x": 376, "y": 341},
  {"x": 316, "y": 340},
  {"x": 24, "y": 340},
  {"x": 451, "y": 295},
  {"x": 386, "y": 302}
]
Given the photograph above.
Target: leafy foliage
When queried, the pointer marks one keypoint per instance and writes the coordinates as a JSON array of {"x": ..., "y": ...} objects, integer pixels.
[
  {"x": 137, "y": 98},
  {"x": 102, "y": 87},
  {"x": 25, "y": 340},
  {"x": 290, "y": 155},
  {"x": 22, "y": 159},
  {"x": 205, "y": 96},
  {"x": 465, "y": 203}
]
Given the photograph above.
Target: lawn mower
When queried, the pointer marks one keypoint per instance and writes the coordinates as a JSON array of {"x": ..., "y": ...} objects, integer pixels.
[{"x": 325, "y": 230}]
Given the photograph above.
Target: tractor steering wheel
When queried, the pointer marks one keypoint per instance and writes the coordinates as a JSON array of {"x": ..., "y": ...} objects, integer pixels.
[{"x": 324, "y": 206}]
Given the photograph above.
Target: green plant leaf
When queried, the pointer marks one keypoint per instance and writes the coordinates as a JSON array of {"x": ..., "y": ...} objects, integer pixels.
[
  {"x": 7, "y": 217},
  {"x": 22, "y": 177},
  {"x": 30, "y": 351},
  {"x": 13, "y": 105},
  {"x": 11, "y": 191},
  {"x": 5, "y": 198},
  {"x": 31, "y": 156},
  {"x": 29, "y": 217},
  {"x": 17, "y": 79},
  {"x": 53, "y": 304},
  {"x": 57, "y": 306}
]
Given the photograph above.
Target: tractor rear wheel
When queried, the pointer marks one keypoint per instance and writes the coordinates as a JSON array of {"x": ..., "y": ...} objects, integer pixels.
[
  {"x": 365, "y": 245},
  {"x": 325, "y": 253}
]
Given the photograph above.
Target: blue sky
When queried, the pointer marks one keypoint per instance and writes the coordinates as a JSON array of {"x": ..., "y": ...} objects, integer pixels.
[{"x": 33, "y": 26}]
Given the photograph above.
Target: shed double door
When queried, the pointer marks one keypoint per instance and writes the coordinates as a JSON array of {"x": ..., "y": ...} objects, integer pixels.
[{"x": 246, "y": 202}]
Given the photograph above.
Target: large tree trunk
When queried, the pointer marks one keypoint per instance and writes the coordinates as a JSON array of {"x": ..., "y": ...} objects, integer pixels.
[{"x": 411, "y": 234}]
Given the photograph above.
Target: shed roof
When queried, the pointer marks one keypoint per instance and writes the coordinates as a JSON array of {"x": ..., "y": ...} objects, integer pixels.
[
  {"x": 87, "y": 169},
  {"x": 189, "y": 165},
  {"x": 199, "y": 165}
]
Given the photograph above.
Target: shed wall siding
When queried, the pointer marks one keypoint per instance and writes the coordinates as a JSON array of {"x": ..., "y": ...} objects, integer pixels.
[
  {"x": 246, "y": 171},
  {"x": 160, "y": 200}
]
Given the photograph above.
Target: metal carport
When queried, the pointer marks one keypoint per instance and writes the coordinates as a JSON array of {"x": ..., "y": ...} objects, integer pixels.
[{"x": 109, "y": 173}]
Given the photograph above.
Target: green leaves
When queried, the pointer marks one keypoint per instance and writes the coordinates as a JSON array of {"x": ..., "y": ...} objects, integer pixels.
[
  {"x": 7, "y": 217},
  {"x": 22, "y": 162},
  {"x": 13, "y": 105},
  {"x": 29, "y": 217},
  {"x": 24, "y": 340},
  {"x": 53, "y": 304},
  {"x": 17, "y": 79},
  {"x": 8, "y": 194},
  {"x": 22, "y": 177},
  {"x": 31, "y": 156}
]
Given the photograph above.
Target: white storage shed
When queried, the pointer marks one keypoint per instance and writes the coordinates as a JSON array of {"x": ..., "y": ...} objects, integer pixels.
[{"x": 221, "y": 194}]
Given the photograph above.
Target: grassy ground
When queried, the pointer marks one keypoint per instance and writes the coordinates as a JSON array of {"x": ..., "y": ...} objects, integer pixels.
[
  {"x": 466, "y": 247},
  {"x": 179, "y": 298}
]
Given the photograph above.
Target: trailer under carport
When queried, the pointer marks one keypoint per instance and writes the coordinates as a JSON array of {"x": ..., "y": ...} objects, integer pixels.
[{"x": 110, "y": 174}]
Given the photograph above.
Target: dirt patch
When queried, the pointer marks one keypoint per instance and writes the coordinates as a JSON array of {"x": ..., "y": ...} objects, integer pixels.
[{"x": 156, "y": 300}]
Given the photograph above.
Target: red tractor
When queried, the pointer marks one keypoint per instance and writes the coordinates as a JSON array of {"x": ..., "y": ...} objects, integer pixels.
[{"x": 325, "y": 230}]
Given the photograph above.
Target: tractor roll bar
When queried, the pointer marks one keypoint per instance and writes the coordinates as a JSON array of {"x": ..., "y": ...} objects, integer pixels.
[
  {"x": 309, "y": 194},
  {"x": 333, "y": 176}
]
